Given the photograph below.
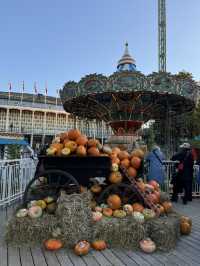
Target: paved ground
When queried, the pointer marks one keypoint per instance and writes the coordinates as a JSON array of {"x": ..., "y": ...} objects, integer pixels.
[{"x": 187, "y": 251}]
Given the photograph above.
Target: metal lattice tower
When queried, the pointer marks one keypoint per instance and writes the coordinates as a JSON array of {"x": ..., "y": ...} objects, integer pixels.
[{"x": 162, "y": 35}]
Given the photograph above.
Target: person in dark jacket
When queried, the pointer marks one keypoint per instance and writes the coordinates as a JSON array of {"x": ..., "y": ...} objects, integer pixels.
[{"x": 184, "y": 173}]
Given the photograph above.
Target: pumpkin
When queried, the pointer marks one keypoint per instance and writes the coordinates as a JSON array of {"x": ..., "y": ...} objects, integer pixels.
[
  {"x": 96, "y": 188},
  {"x": 186, "y": 219},
  {"x": 136, "y": 162},
  {"x": 137, "y": 207},
  {"x": 160, "y": 209},
  {"x": 132, "y": 172},
  {"x": 149, "y": 188},
  {"x": 139, "y": 217},
  {"x": 185, "y": 228},
  {"x": 116, "y": 150},
  {"x": 53, "y": 244},
  {"x": 71, "y": 145},
  {"x": 137, "y": 153},
  {"x": 81, "y": 151},
  {"x": 125, "y": 163},
  {"x": 51, "y": 208},
  {"x": 65, "y": 151},
  {"x": 93, "y": 151},
  {"x": 82, "y": 140},
  {"x": 119, "y": 213},
  {"x": 154, "y": 184},
  {"x": 99, "y": 245},
  {"x": 48, "y": 199},
  {"x": 32, "y": 203},
  {"x": 82, "y": 248},
  {"x": 147, "y": 245},
  {"x": 114, "y": 201},
  {"x": 114, "y": 167},
  {"x": 93, "y": 204},
  {"x": 98, "y": 209},
  {"x": 41, "y": 203},
  {"x": 115, "y": 177},
  {"x": 63, "y": 136},
  {"x": 123, "y": 155},
  {"x": 107, "y": 212},
  {"x": 107, "y": 149},
  {"x": 167, "y": 206},
  {"x": 115, "y": 160},
  {"x": 92, "y": 142},
  {"x": 152, "y": 198},
  {"x": 128, "y": 209},
  {"x": 74, "y": 134},
  {"x": 96, "y": 216},
  {"x": 56, "y": 140},
  {"x": 103, "y": 205},
  {"x": 35, "y": 212},
  {"x": 22, "y": 213},
  {"x": 157, "y": 194},
  {"x": 148, "y": 214},
  {"x": 57, "y": 146},
  {"x": 51, "y": 151}
]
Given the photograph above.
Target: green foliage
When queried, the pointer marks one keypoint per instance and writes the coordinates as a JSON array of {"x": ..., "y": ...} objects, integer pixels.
[
  {"x": 13, "y": 152},
  {"x": 193, "y": 122},
  {"x": 184, "y": 75}
]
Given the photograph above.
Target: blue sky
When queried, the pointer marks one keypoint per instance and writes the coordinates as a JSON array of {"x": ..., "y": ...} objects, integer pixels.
[{"x": 57, "y": 41}]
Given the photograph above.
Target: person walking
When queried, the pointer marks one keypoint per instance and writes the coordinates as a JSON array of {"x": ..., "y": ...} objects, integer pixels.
[
  {"x": 155, "y": 160},
  {"x": 182, "y": 179}
]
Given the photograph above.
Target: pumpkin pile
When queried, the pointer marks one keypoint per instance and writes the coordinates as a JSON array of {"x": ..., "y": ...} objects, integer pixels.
[
  {"x": 35, "y": 208},
  {"x": 185, "y": 225}
]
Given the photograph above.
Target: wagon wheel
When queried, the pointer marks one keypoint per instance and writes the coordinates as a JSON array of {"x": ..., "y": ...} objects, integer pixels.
[
  {"x": 49, "y": 183},
  {"x": 127, "y": 193}
]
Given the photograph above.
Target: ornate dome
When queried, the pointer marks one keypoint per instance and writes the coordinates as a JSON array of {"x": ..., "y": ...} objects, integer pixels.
[{"x": 126, "y": 63}]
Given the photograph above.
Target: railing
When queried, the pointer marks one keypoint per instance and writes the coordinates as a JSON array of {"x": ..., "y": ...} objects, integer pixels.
[{"x": 14, "y": 176}]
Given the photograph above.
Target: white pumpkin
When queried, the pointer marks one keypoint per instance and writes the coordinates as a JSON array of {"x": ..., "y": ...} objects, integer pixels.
[
  {"x": 115, "y": 167},
  {"x": 128, "y": 209},
  {"x": 107, "y": 149},
  {"x": 139, "y": 217},
  {"x": 35, "y": 212},
  {"x": 22, "y": 213},
  {"x": 147, "y": 245},
  {"x": 148, "y": 214},
  {"x": 32, "y": 203},
  {"x": 98, "y": 209},
  {"x": 96, "y": 216}
]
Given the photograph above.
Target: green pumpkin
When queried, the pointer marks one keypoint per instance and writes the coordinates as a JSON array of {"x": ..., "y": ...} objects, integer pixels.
[{"x": 148, "y": 214}]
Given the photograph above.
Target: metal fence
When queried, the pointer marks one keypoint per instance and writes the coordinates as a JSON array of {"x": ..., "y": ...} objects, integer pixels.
[{"x": 14, "y": 176}]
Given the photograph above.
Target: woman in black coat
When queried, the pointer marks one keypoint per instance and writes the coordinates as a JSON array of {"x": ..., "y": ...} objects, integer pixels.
[{"x": 184, "y": 173}]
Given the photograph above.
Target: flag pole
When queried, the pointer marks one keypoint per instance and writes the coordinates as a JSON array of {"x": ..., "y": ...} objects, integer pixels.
[
  {"x": 45, "y": 95},
  {"x": 35, "y": 92},
  {"x": 9, "y": 92},
  {"x": 22, "y": 92}
]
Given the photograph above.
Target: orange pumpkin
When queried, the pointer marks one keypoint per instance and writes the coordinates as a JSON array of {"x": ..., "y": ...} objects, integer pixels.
[
  {"x": 107, "y": 212},
  {"x": 141, "y": 185},
  {"x": 82, "y": 140},
  {"x": 71, "y": 145},
  {"x": 186, "y": 219},
  {"x": 157, "y": 193},
  {"x": 160, "y": 209},
  {"x": 115, "y": 160},
  {"x": 185, "y": 228},
  {"x": 138, "y": 153},
  {"x": 123, "y": 155},
  {"x": 96, "y": 188},
  {"x": 115, "y": 177},
  {"x": 125, "y": 163},
  {"x": 92, "y": 142},
  {"x": 93, "y": 151},
  {"x": 57, "y": 146},
  {"x": 167, "y": 206},
  {"x": 73, "y": 134},
  {"x": 116, "y": 150},
  {"x": 137, "y": 207},
  {"x": 153, "y": 198},
  {"x": 136, "y": 162},
  {"x": 132, "y": 172},
  {"x": 82, "y": 248},
  {"x": 81, "y": 151},
  {"x": 63, "y": 136},
  {"x": 114, "y": 202},
  {"x": 53, "y": 244},
  {"x": 99, "y": 245},
  {"x": 154, "y": 184}
]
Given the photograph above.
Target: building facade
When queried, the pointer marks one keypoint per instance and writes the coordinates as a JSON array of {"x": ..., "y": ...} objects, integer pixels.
[{"x": 39, "y": 118}]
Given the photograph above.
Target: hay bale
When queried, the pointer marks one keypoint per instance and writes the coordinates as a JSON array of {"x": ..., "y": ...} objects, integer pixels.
[
  {"x": 125, "y": 232},
  {"x": 75, "y": 217},
  {"x": 23, "y": 231},
  {"x": 164, "y": 231}
]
